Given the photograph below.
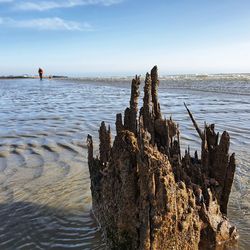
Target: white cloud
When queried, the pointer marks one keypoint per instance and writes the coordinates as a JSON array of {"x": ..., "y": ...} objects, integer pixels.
[
  {"x": 54, "y": 23},
  {"x": 47, "y": 5}
]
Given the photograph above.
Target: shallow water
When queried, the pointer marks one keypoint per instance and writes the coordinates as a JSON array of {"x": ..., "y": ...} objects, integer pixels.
[{"x": 45, "y": 200}]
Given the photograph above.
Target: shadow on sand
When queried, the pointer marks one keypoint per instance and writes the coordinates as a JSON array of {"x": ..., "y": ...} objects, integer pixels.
[{"x": 25, "y": 225}]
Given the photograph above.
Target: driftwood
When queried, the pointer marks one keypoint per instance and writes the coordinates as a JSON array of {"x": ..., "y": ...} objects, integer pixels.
[{"x": 145, "y": 195}]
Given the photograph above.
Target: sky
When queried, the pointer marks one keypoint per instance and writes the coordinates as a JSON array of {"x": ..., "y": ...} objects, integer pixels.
[{"x": 124, "y": 37}]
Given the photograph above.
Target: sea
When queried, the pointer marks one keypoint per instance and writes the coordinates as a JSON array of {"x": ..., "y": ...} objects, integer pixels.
[{"x": 45, "y": 198}]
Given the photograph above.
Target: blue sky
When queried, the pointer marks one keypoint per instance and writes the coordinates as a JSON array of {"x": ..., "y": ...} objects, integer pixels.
[{"x": 124, "y": 37}]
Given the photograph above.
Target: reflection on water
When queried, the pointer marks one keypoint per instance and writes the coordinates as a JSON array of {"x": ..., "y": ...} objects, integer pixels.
[{"x": 45, "y": 199}]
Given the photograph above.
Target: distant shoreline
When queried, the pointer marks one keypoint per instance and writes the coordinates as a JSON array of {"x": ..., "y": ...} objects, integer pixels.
[
  {"x": 181, "y": 77},
  {"x": 33, "y": 77}
]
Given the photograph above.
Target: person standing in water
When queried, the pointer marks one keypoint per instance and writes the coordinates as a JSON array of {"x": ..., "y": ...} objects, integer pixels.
[{"x": 40, "y": 72}]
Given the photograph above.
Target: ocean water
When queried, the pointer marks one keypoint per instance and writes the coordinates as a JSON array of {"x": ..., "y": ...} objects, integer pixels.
[{"x": 45, "y": 199}]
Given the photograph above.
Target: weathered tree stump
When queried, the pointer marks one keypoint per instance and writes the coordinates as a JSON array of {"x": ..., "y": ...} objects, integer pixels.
[{"x": 145, "y": 195}]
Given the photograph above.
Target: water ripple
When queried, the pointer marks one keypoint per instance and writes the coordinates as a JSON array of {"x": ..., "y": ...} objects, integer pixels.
[{"x": 45, "y": 199}]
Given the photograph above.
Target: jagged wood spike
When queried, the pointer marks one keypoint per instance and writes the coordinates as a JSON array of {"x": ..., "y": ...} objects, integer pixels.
[
  {"x": 228, "y": 183},
  {"x": 90, "y": 148},
  {"x": 118, "y": 124},
  {"x": 194, "y": 123},
  {"x": 154, "y": 92}
]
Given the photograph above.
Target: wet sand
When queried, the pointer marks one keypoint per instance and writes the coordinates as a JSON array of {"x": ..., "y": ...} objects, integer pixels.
[{"x": 45, "y": 200}]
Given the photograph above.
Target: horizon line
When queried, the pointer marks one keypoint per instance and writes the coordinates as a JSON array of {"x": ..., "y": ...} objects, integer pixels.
[{"x": 93, "y": 75}]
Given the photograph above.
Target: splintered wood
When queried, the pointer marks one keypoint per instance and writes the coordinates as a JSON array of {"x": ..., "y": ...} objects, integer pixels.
[{"x": 146, "y": 195}]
